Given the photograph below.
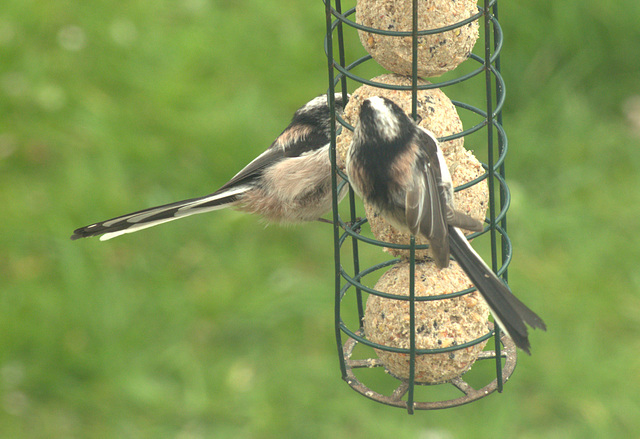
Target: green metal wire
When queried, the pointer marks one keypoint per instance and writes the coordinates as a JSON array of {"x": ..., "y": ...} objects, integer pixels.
[
  {"x": 346, "y": 70},
  {"x": 504, "y": 193},
  {"x": 381, "y": 347},
  {"x": 491, "y": 171},
  {"x": 340, "y": 73},
  {"x": 334, "y": 184},
  {"x": 343, "y": 18}
]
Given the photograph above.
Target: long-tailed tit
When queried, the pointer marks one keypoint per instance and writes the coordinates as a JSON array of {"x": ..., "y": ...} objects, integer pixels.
[
  {"x": 398, "y": 168},
  {"x": 290, "y": 182}
]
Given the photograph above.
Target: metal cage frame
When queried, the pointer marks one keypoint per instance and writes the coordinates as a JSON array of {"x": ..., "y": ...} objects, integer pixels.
[{"x": 339, "y": 74}]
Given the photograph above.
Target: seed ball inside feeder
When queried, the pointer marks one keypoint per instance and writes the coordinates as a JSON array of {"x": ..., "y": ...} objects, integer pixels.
[
  {"x": 437, "y": 53},
  {"x": 473, "y": 201},
  {"x": 439, "y": 323},
  {"x": 437, "y": 112}
]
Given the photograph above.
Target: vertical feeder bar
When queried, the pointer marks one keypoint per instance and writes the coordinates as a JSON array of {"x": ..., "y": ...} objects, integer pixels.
[
  {"x": 334, "y": 185},
  {"x": 505, "y": 248},
  {"x": 491, "y": 169},
  {"x": 352, "y": 196},
  {"x": 504, "y": 197},
  {"x": 412, "y": 250}
]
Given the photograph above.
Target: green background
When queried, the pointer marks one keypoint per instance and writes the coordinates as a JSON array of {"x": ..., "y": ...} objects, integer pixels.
[{"x": 216, "y": 326}]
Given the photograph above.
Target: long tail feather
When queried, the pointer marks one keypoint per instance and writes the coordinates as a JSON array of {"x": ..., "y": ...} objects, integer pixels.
[
  {"x": 154, "y": 216},
  {"x": 508, "y": 311}
]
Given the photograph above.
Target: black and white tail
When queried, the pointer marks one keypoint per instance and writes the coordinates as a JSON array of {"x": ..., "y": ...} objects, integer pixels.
[
  {"x": 161, "y": 214},
  {"x": 508, "y": 311}
]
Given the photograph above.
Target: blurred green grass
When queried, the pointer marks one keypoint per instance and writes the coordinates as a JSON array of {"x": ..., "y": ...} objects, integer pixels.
[{"x": 216, "y": 326}]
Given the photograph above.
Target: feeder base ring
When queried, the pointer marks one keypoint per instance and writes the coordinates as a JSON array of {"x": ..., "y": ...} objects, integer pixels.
[{"x": 395, "y": 399}]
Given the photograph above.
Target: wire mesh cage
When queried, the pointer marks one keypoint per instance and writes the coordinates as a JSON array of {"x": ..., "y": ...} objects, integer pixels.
[{"x": 355, "y": 345}]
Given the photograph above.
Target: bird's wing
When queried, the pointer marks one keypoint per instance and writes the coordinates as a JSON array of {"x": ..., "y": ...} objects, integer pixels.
[
  {"x": 294, "y": 141},
  {"x": 425, "y": 203},
  {"x": 254, "y": 169}
]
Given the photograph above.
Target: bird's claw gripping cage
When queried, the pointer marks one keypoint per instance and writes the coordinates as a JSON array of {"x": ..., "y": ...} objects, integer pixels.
[{"x": 349, "y": 287}]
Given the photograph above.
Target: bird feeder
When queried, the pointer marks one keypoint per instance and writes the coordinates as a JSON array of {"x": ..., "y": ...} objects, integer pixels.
[{"x": 409, "y": 335}]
